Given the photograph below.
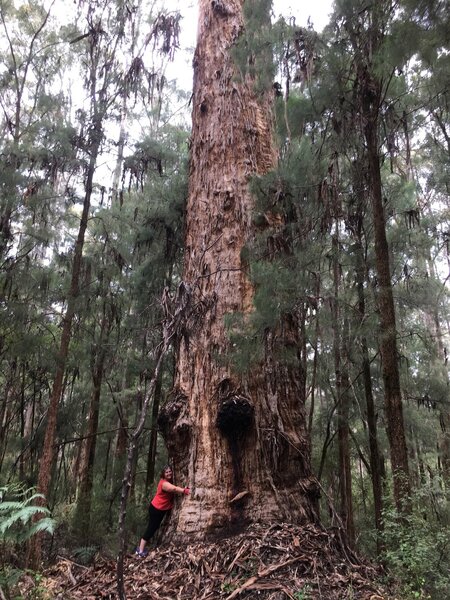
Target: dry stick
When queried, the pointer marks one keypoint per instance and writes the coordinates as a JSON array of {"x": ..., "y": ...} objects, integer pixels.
[
  {"x": 69, "y": 560},
  {"x": 241, "y": 550},
  {"x": 260, "y": 575}
]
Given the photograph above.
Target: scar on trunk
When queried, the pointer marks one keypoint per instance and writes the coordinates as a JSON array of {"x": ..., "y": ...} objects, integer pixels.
[
  {"x": 236, "y": 413},
  {"x": 235, "y": 419},
  {"x": 175, "y": 425}
]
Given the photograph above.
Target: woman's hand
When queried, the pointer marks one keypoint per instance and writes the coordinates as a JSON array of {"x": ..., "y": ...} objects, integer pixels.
[{"x": 169, "y": 487}]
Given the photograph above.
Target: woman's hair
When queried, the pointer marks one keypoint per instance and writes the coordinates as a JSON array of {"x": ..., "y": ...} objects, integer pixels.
[{"x": 164, "y": 469}]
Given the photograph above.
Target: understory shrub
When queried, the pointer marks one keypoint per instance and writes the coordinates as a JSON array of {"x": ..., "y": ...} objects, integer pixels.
[{"x": 417, "y": 546}]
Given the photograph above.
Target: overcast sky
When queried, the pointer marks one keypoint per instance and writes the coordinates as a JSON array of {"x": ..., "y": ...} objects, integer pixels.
[{"x": 317, "y": 10}]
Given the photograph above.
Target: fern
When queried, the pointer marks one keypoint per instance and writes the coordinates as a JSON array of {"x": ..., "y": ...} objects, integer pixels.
[
  {"x": 85, "y": 554},
  {"x": 18, "y": 516}
]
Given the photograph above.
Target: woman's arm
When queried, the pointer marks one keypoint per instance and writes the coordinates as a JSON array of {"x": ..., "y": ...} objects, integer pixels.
[{"x": 168, "y": 487}]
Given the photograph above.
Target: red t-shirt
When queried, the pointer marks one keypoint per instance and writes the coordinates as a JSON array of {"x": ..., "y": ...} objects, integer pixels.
[{"x": 163, "y": 500}]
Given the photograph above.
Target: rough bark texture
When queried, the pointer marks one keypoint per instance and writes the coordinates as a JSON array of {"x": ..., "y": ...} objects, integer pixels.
[
  {"x": 231, "y": 435},
  {"x": 388, "y": 328}
]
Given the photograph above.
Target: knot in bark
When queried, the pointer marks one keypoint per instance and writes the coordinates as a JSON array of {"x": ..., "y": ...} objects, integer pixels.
[
  {"x": 175, "y": 424},
  {"x": 221, "y": 8}
]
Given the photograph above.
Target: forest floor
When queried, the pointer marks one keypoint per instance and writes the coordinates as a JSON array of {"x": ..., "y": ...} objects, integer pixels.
[{"x": 278, "y": 563}]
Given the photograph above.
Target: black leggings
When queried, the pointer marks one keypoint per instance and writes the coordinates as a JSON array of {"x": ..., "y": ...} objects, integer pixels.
[{"x": 155, "y": 516}]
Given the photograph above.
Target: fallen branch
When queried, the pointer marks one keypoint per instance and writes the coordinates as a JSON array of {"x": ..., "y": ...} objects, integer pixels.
[{"x": 260, "y": 575}]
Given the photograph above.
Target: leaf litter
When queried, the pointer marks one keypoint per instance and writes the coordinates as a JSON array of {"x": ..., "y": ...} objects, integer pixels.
[{"x": 280, "y": 562}]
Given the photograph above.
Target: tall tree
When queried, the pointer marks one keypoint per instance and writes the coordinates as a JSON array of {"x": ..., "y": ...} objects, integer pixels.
[
  {"x": 238, "y": 440},
  {"x": 367, "y": 31}
]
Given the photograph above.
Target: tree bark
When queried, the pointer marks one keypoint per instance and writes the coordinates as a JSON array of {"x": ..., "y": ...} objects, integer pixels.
[
  {"x": 366, "y": 38},
  {"x": 48, "y": 449},
  {"x": 227, "y": 433},
  {"x": 375, "y": 463},
  {"x": 343, "y": 400},
  {"x": 442, "y": 372},
  {"x": 388, "y": 327}
]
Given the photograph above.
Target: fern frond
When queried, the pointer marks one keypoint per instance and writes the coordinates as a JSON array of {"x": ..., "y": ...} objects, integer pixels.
[
  {"x": 46, "y": 525},
  {"x": 17, "y": 515},
  {"x": 23, "y": 515}
]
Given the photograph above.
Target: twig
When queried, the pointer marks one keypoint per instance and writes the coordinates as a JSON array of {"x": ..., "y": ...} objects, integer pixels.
[
  {"x": 65, "y": 559},
  {"x": 260, "y": 575}
]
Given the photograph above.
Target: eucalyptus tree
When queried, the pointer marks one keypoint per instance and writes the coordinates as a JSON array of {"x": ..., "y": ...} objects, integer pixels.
[{"x": 238, "y": 439}]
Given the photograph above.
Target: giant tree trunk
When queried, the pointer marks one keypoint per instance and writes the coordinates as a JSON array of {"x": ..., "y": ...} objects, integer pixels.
[{"x": 231, "y": 434}]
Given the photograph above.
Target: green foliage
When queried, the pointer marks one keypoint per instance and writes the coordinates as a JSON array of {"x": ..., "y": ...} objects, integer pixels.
[
  {"x": 303, "y": 594},
  {"x": 417, "y": 546},
  {"x": 85, "y": 554},
  {"x": 253, "y": 50},
  {"x": 18, "y": 521},
  {"x": 9, "y": 578}
]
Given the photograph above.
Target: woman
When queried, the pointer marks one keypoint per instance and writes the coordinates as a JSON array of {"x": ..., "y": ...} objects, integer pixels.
[{"x": 159, "y": 506}]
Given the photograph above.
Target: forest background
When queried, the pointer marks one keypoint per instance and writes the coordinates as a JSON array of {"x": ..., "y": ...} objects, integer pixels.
[{"x": 93, "y": 197}]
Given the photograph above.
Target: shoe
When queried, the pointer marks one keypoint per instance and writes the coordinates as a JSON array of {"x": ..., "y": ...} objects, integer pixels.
[{"x": 142, "y": 554}]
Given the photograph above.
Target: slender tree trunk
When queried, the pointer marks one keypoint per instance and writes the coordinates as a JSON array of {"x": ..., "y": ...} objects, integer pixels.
[
  {"x": 315, "y": 361},
  {"x": 239, "y": 441},
  {"x": 344, "y": 440},
  {"x": 47, "y": 455},
  {"x": 366, "y": 40},
  {"x": 388, "y": 328},
  {"x": 151, "y": 458},
  {"x": 375, "y": 466},
  {"x": 343, "y": 400},
  {"x": 442, "y": 370},
  {"x": 90, "y": 443},
  {"x": 169, "y": 328},
  {"x": 5, "y": 409},
  {"x": 49, "y": 439}
]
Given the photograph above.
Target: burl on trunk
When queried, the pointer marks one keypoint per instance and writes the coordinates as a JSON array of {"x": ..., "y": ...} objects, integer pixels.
[{"x": 239, "y": 442}]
